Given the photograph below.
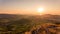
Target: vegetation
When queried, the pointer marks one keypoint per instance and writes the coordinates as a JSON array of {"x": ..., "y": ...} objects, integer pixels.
[{"x": 21, "y": 24}]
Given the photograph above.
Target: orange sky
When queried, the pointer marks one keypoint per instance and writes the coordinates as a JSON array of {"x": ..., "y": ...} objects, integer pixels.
[{"x": 29, "y": 6}]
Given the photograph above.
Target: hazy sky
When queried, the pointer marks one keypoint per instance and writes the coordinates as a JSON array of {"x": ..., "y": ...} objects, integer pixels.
[{"x": 29, "y": 6}]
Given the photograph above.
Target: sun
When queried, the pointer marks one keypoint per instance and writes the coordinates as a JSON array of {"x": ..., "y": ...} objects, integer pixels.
[{"x": 40, "y": 9}]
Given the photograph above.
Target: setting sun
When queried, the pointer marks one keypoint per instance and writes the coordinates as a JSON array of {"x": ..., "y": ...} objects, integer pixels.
[{"x": 40, "y": 9}]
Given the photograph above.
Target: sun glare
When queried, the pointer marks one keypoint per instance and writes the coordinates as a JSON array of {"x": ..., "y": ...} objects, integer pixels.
[{"x": 40, "y": 9}]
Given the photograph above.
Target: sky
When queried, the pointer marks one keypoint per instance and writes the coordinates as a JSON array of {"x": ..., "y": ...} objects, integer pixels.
[{"x": 29, "y": 6}]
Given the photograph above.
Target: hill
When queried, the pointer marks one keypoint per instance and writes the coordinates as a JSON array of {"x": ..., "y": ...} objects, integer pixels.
[{"x": 14, "y": 23}]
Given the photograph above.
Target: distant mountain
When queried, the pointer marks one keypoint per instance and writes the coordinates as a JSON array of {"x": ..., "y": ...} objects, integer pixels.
[
  {"x": 7, "y": 15},
  {"x": 35, "y": 18},
  {"x": 46, "y": 16}
]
